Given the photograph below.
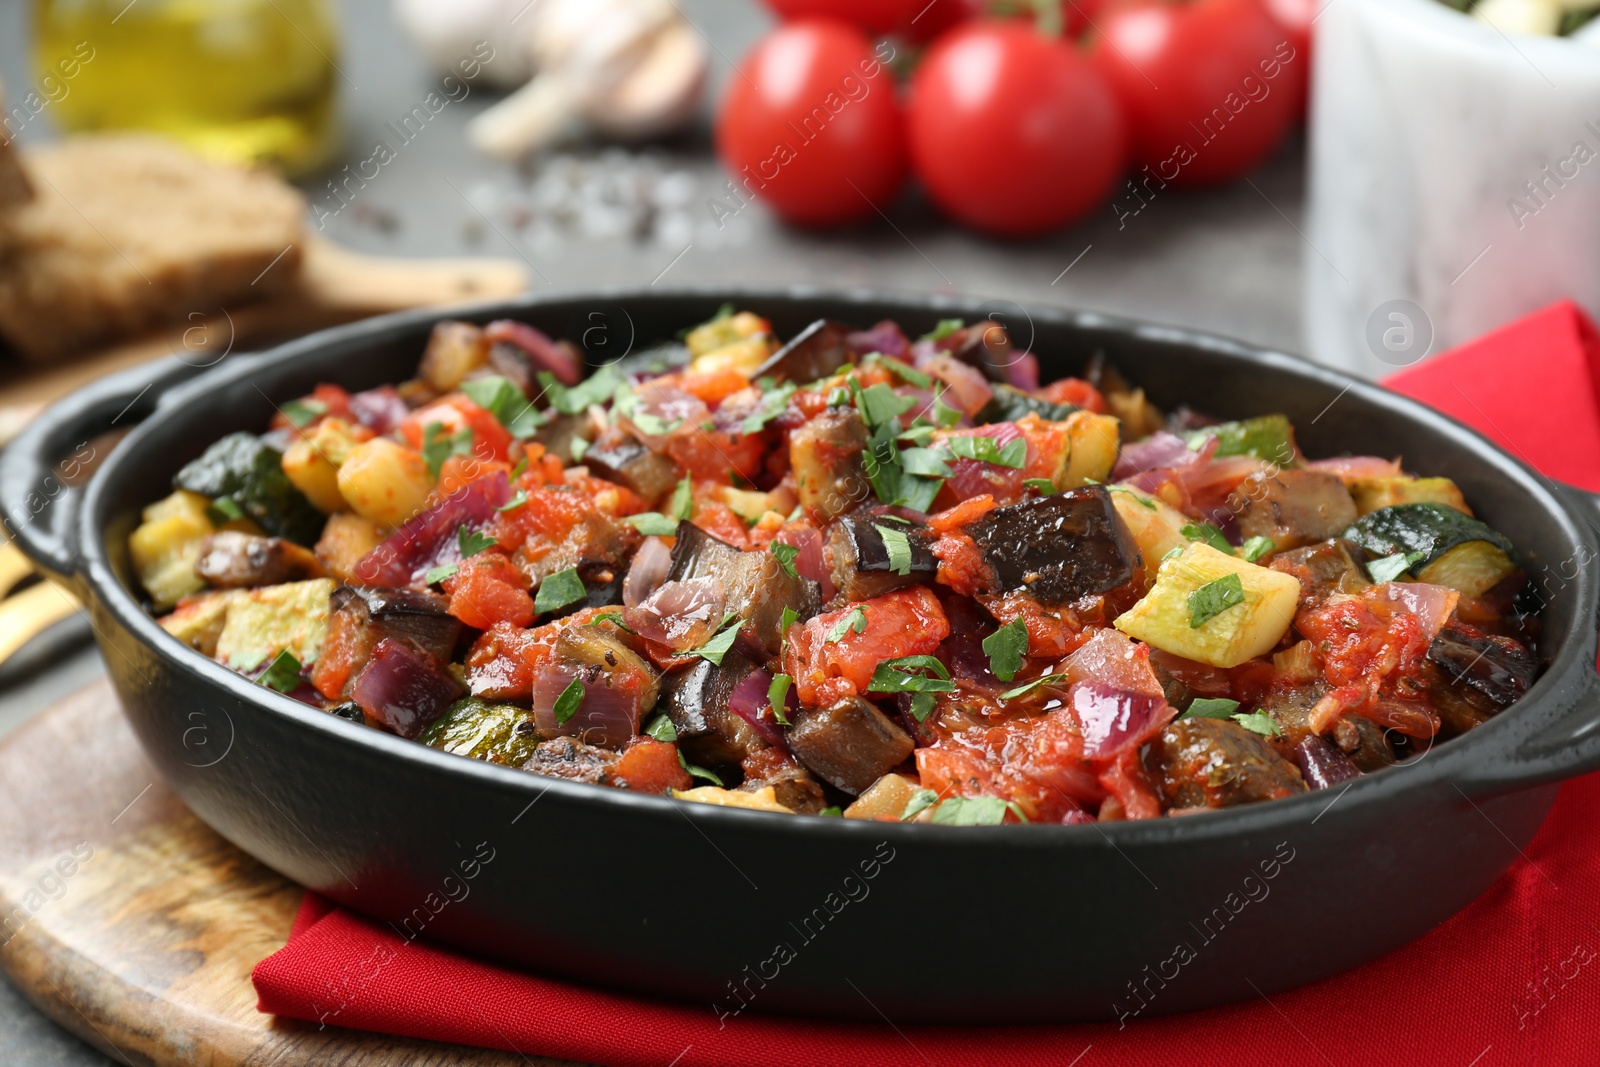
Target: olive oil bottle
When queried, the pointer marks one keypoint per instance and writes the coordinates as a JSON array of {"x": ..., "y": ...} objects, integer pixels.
[{"x": 249, "y": 81}]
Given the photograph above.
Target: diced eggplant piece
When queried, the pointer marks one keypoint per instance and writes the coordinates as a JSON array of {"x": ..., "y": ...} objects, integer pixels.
[
  {"x": 1294, "y": 507},
  {"x": 1008, "y": 404},
  {"x": 569, "y": 758},
  {"x": 233, "y": 560},
  {"x": 754, "y": 587},
  {"x": 1486, "y": 673},
  {"x": 619, "y": 457},
  {"x": 695, "y": 697},
  {"x": 1364, "y": 741},
  {"x": 419, "y": 618},
  {"x": 1331, "y": 567},
  {"x": 1058, "y": 548},
  {"x": 475, "y": 728},
  {"x": 658, "y": 359},
  {"x": 818, "y": 351},
  {"x": 561, "y": 435},
  {"x": 986, "y": 345},
  {"x": 1322, "y": 765},
  {"x": 849, "y": 745},
  {"x": 402, "y": 689},
  {"x": 791, "y": 784},
  {"x": 616, "y": 687},
  {"x": 862, "y": 566},
  {"x": 1216, "y": 763},
  {"x": 513, "y": 363},
  {"x": 825, "y": 454}
]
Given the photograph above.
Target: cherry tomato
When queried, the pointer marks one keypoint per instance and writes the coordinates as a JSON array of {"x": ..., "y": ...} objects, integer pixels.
[
  {"x": 1295, "y": 16},
  {"x": 1013, "y": 132},
  {"x": 810, "y": 124},
  {"x": 1210, "y": 86},
  {"x": 933, "y": 17},
  {"x": 874, "y": 16}
]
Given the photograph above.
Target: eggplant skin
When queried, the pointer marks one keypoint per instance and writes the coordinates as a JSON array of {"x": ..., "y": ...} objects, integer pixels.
[
  {"x": 1058, "y": 548},
  {"x": 818, "y": 351},
  {"x": 756, "y": 589},
  {"x": 1214, "y": 763},
  {"x": 850, "y": 745},
  {"x": 695, "y": 698},
  {"x": 1498, "y": 669},
  {"x": 860, "y": 559},
  {"x": 618, "y": 457}
]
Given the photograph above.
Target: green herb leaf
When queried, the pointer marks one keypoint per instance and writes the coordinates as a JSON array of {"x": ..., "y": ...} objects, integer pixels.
[
  {"x": 699, "y": 772},
  {"x": 438, "y": 446},
  {"x": 653, "y": 524},
  {"x": 661, "y": 728},
  {"x": 790, "y": 617},
  {"x": 570, "y": 700},
  {"x": 720, "y": 642},
  {"x": 1389, "y": 568},
  {"x": 904, "y": 675},
  {"x": 1256, "y": 547},
  {"x": 519, "y": 498},
  {"x": 904, "y": 371},
  {"x": 945, "y": 328},
  {"x": 613, "y": 617},
  {"x": 920, "y": 801},
  {"x": 1143, "y": 501},
  {"x": 1172, "y": 553},
  {"x": 943, "y": 414},
  {"x": 558, "y": 590},
  {"x": 522, "y": 465},
  {"x": 471, "y": 542},
  {"x": 773, "y": 403},
  {"x": 922, "y": 705},
  {"x": 1259, "y": 722},
  {"x": 833, "y": 810},
  {"x": 1047, "y": 679},
  {"x": 777, "y": 693},
  {"x": 595, "y": 389},
  {"x": 435, "y": 575},
  {"x": 227, "y": 508},
  {"x": 1042, "y": 486},
  {"x": 1213, "y": 598},
  {"x": 284, "y": 673},
  {"x": 925, "y": 463},
  {"x": 880, "y": 403},
  {"x": 500, "y": 398},
  {"x": 856, "y": 620},
  {"x": 682, "y": 506},
  {"x": 975, "y": 811},
  {"x": 1208, "y": 534},
  {"x": 1005, "y": 648},
  {"x": 1211, "y": 708},
  {"x": 785, "y": 555},
  {"x": 919, "y": 436},
  {"x": 302, "y": 413},
  {"x": 899, "y": 547},
  {"x": 986, "y": 450}
]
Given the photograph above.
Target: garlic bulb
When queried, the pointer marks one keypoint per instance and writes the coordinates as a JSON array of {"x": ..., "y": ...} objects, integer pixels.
[{"x": 448, "y": 31}]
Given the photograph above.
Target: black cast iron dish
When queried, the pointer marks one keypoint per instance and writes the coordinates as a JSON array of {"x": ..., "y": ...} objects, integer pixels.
[{"x": 735, "y": 908}]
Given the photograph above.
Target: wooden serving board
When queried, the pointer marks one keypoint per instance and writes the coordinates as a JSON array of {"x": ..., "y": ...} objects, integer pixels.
[{"x": 132, "y": 924}]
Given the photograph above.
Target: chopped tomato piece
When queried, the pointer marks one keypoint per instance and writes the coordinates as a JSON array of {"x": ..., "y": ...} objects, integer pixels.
[
  {"x": 1074, "y": 391},
  {"x": 333, "y": 400},
  {"x": 650, "y": 766},
  {"x": 453, "y": 413},
  {"x": 489, "y": 589},
  {"x": 835, "y": 654}
]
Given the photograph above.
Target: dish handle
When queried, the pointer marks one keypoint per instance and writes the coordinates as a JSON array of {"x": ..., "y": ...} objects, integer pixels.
[
  {"x": 39, "y": 485},
  {"x": 1567, "y": 743}
]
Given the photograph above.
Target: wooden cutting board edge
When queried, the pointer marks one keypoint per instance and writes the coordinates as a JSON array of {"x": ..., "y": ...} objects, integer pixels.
[{"x": 135, "y": 926}]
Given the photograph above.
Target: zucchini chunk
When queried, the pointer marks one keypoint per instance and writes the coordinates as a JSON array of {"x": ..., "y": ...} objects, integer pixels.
[
  {"x": 1451, "y": 548},
  {"x": 477, "y": 729},
  {"x": 1267, "y": 437},
  {"x": 264, "y": 622},
  {"x": 243, "y": 475},
  {"x": 1058, "y": 548},
  {"x": 1230, "y": 628},
  {"x": 1293, "y": 507},
  {"x": 1156, "y": 526},
  {"x": 167, "y": 544},
  {"x": 1008, "y": 404},
  {"x": 1373, "y": 494}
]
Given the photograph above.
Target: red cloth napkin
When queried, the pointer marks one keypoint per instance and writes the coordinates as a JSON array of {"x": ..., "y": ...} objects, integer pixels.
[{"x": 1514, "y": 979}]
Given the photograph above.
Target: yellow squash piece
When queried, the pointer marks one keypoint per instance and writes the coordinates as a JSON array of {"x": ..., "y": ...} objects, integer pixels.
[
  {"x": 1095, "y": 439},
  {"x": 1372, "y": 494},
  {"x": 385, "y": 481},
  {"x": 166, "y": 545},
  {"x": 264, "y": 622},
  {"x": 312, "y": 462},
  {"x": 198, "y": 620},
  {"x": 1154, "y": 523},
  {"x": 763, "y": 799},
  {"x": 1231, "y": 636}
]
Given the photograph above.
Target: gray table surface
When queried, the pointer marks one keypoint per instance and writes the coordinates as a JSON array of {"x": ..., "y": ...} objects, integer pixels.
[{"x": 1227, "y": 260}]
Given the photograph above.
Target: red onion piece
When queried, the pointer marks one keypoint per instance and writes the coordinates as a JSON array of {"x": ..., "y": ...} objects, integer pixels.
[
  {"x": 681, "y": 615},
  {"x": 1024, "y": 372},
  {"x": 967, "y": 390},
  {"x": 972, "y": 477},
  {"x": 608, "y": 714},
  {"x": 1113, "y": 719},
  {"x": 1322, "y": 765},
  {"x": 1160, "y": 449},
  {"x": 885, "y": 337},
  {"x": 749, "y": 701},
  {"x": 429, "y": 539},
  {"x": 1348, "y": 468},
  {"x": 669, "y": 404},
  {"x": 402, "y": 689},
  {"x": 1076, "y": 817},
  {"x": 1431, "y": 604},
  {"x": 809, "y": 561},
  {"x": 545, "y": 353},
  {"x": 1115, "y": 661},
  {"x": 647, "y": 571},
  {"x": 379, "y": 410}
]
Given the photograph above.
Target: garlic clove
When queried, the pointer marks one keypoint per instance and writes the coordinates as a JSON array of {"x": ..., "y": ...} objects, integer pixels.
[
  {"x": 527, "y": 120},
  {"x": 661, "y": 94},
  {"x": 1536, "y": 17},
  {"x": 450, "y": 31}
]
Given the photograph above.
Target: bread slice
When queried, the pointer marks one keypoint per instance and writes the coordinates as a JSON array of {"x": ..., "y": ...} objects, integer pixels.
[
  {"x": 14, "y": 188},
  {"x": 127, "y": 232}
]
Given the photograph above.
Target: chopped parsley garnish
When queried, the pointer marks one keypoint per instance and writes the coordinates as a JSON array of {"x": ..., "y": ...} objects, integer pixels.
[
  {"x": 570, "y": 700},
  {"x": 833, "y": 810},
  {"x": 986, "y": 450},
  {"x": 785, "y": 555},
  {"x": 1005, "y": 649},
  {"x": 505, "y": 402},
  {"x": 720, "y": 642},
  {"x": 435, "y": 575},
  {"x": 438, "y": 446},
  {"x": 661, "y": 728},
  {"x": 558, "y": 590},
  {"x": 855, "y": 621},
  {"x": 283, "y": 674},
  {"x": 1211, "y": 708},
  {"x": 898, "y": 546},
  {"x": 904, "y": 675},
  {"x": 519, "y": 498},
  {"x": 579, "y": 448},
  {"x": 975, "y": 811},
  {"x": 1257, "y": 547},
  {"x": 572, "y": 400},
  {"x": 924, "y": 462},
  {"x": 1028, "y": 687},
  {"x": 1259, "y": 722},
  {"x": 879, "y": 404},
  {"x": 943, "y": 414},
  {"x": 653, "y": 524},
  {"x": 228, "y": 508},
  {"x": 625, "y": 402},
  {"x": 615, "y": 618},
  {"x": 920, "y": 801},
  {"x": 773, "y": 403},
  {"x": 1208, "y": 534},
  {"x": 1042, "y": 486},
  {"x": 1143, "y": 501},
  {"x": 945, "y": 328},
  {"x": 1389, "y": 568},
  {"x": 302, "y": 413},
  {"x": 790, "y": 617},
  {"x": 1213, "y": 598},
  {"x": 777, "y": 693},
  {"x": 682, "y": 506},
  {"x": 698, "y": 772},
  {"x": 904, "y": 371},
  {"x": 471, "y": 542}
]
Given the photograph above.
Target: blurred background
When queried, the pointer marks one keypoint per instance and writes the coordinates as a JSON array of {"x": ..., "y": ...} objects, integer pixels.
[{"x": 1135, "y": 157}]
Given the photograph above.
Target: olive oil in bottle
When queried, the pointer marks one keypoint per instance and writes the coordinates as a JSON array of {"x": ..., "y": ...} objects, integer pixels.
[{"x": 249, "y": 81}]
